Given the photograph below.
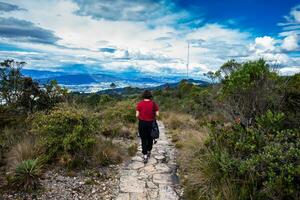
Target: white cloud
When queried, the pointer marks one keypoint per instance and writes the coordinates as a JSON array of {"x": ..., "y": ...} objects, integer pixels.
[
  {"x": 295, "y": 14},
  {"x": 263, "y": 44},
  {"x": 290, "y": 42},
  {"x": 287, "y": 71},
  {"x": 269, "y": 49},
  {"x": 152, "y": 46}
]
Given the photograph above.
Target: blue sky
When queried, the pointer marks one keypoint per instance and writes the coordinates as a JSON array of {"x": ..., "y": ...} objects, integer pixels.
[{"x": 149, "y": 36}]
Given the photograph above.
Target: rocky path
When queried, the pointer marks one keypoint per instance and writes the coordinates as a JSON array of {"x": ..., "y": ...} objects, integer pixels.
[{"x": 156, "y": 180}]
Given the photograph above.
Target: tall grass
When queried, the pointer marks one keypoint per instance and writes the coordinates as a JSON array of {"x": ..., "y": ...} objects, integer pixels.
[{"x": 24, "y": 150}]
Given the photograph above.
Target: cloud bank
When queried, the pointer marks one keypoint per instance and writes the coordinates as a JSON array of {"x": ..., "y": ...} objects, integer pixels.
[{"x": 143, "y": 36}]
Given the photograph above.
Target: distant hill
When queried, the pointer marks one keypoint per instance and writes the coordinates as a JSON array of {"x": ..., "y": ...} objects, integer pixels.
[
  {"x": 173, "y": 85},
  {"x": 89, "y": 83},
  {"x": 134, "y": 90}
]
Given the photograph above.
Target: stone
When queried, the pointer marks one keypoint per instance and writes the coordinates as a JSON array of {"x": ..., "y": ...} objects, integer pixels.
[
  {"x": 167, "y": 192},
  {"x": 123, "y": 196},
  {"x": 131, "y": 184},
  {"x": 162, "y": 178},
  {"x": 149, "y": 168},
  {"x": 159, "y": 157},
  {"x": 152, "y": 194},
  {"x": 135, "y": 165},
  {"x": 151, "y": 185},
  {"x": 151, "y": 161},
  {"x": 137, "y": 196},
  {"x": 162, "y": 168},
  {"x": 143, "y": 175},
  {"x": 129, "y": 173},
  {"x": 137, "y": 158},
  {"x": 153, "y": 180}
]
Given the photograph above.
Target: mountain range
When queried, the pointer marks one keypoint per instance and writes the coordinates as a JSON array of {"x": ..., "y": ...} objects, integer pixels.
[{"x": 87, "y": 83}]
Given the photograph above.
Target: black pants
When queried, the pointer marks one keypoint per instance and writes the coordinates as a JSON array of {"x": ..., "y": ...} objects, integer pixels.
[{"x": 145, "y": 128}]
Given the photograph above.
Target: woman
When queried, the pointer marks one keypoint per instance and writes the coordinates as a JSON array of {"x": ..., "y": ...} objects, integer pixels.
[{"x": 146, "y": 112}]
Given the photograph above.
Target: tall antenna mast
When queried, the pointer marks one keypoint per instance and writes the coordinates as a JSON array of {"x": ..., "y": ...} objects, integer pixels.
[{"x": 188, "y": 61}]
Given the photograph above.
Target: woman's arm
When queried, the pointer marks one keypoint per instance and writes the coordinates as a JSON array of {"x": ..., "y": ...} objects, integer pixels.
[
  {"x": 157, "y": 113},
  {"x": 137, "y": 113}
]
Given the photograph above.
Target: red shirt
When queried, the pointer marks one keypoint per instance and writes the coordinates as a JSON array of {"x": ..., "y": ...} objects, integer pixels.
[{"x": 145, "y": 109}]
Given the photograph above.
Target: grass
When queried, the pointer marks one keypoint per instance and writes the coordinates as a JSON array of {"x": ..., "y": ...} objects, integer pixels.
[
  {"x": 24, "y": 150},
  {"x": 198, "y": 176},
  {"x": 176, "y": 120},
  {"x": 188, "y": 138},
  {"x": 132, "y": 149},
  {"x": 68, "y": 136},
  {"x": 106, "y": 152}
]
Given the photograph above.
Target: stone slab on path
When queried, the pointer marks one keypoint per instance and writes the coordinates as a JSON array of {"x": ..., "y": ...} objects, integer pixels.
[{"x": 154, "y": 180}]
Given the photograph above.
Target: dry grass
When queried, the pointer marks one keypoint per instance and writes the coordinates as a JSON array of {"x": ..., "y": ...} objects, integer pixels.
[
  {"x": 128, "y": 131},
  {"x": 198, "y": 177},
  {"x": 106, "y": 152},
  {"x": 25, "y": 150},
  {"x": 189, "y": 138},
  {"x": 174, "y": 120}
]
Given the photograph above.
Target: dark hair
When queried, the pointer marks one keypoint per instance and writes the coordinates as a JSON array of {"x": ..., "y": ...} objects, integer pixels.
[{"x": 147, "y": 94}]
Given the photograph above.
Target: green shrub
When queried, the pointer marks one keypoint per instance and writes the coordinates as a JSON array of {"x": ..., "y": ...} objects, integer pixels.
[
  {"x": 260, "y": 162},
  {"x": 251, "y": 90},
  {"x": 124, "y": 111},
  {"x": 64, "y": 131},
  {"x": 26, "y": 175},
  {"x": 116, "y": 117},
  {"x": 132, "y": 149},
  {"x": 291, "y": 103}
]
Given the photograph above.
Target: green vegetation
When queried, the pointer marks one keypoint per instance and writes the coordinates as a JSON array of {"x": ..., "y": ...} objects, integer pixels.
[
  {"x": 26, "y": 174},
  {"x": 245, "y": 142},
  {"x": 237, "y": 138},
  {"x": 66, "y": 130}
]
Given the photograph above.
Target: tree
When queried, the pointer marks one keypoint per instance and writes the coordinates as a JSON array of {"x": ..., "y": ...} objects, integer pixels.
[
  {"x": 113, "y": 85},
  {"x": 10, "y": 81},
  {"x": 250, "y": 90},
  {"x": 213, "y": 76},
  {"x": 50, "y": 95},
  {"x": 30, "y": 94},
  {"x": 291, "y": 101},
  {"x": 25, "y": 94},
  {"x": 229, "y": 67}
]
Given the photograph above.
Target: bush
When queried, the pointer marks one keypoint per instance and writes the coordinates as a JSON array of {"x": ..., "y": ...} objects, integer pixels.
[
  {"x": 132, "y": 149},
  {"x": 107, "y": 153},
  {"x": 291, "y": 103},
  {"x": 117, "y": 120},
  {"x": 124, "y": 111},
  {"x": 260, "y": 162},
  {"x": 251, "y": 90},
  {"x": 65, "y": 131},
  {"x": 26, "y": 175}
]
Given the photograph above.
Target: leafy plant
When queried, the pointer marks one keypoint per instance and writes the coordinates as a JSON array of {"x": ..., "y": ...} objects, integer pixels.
[
  {"x": 26, "y": 174},
  {"x": 261, "y": 161},
  {"x": 251, "y": 90},
  {"x": 65, "y": 130}
]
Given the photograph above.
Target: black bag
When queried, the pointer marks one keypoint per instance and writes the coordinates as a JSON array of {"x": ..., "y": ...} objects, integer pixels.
[{"x": 155, "y": 129}]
